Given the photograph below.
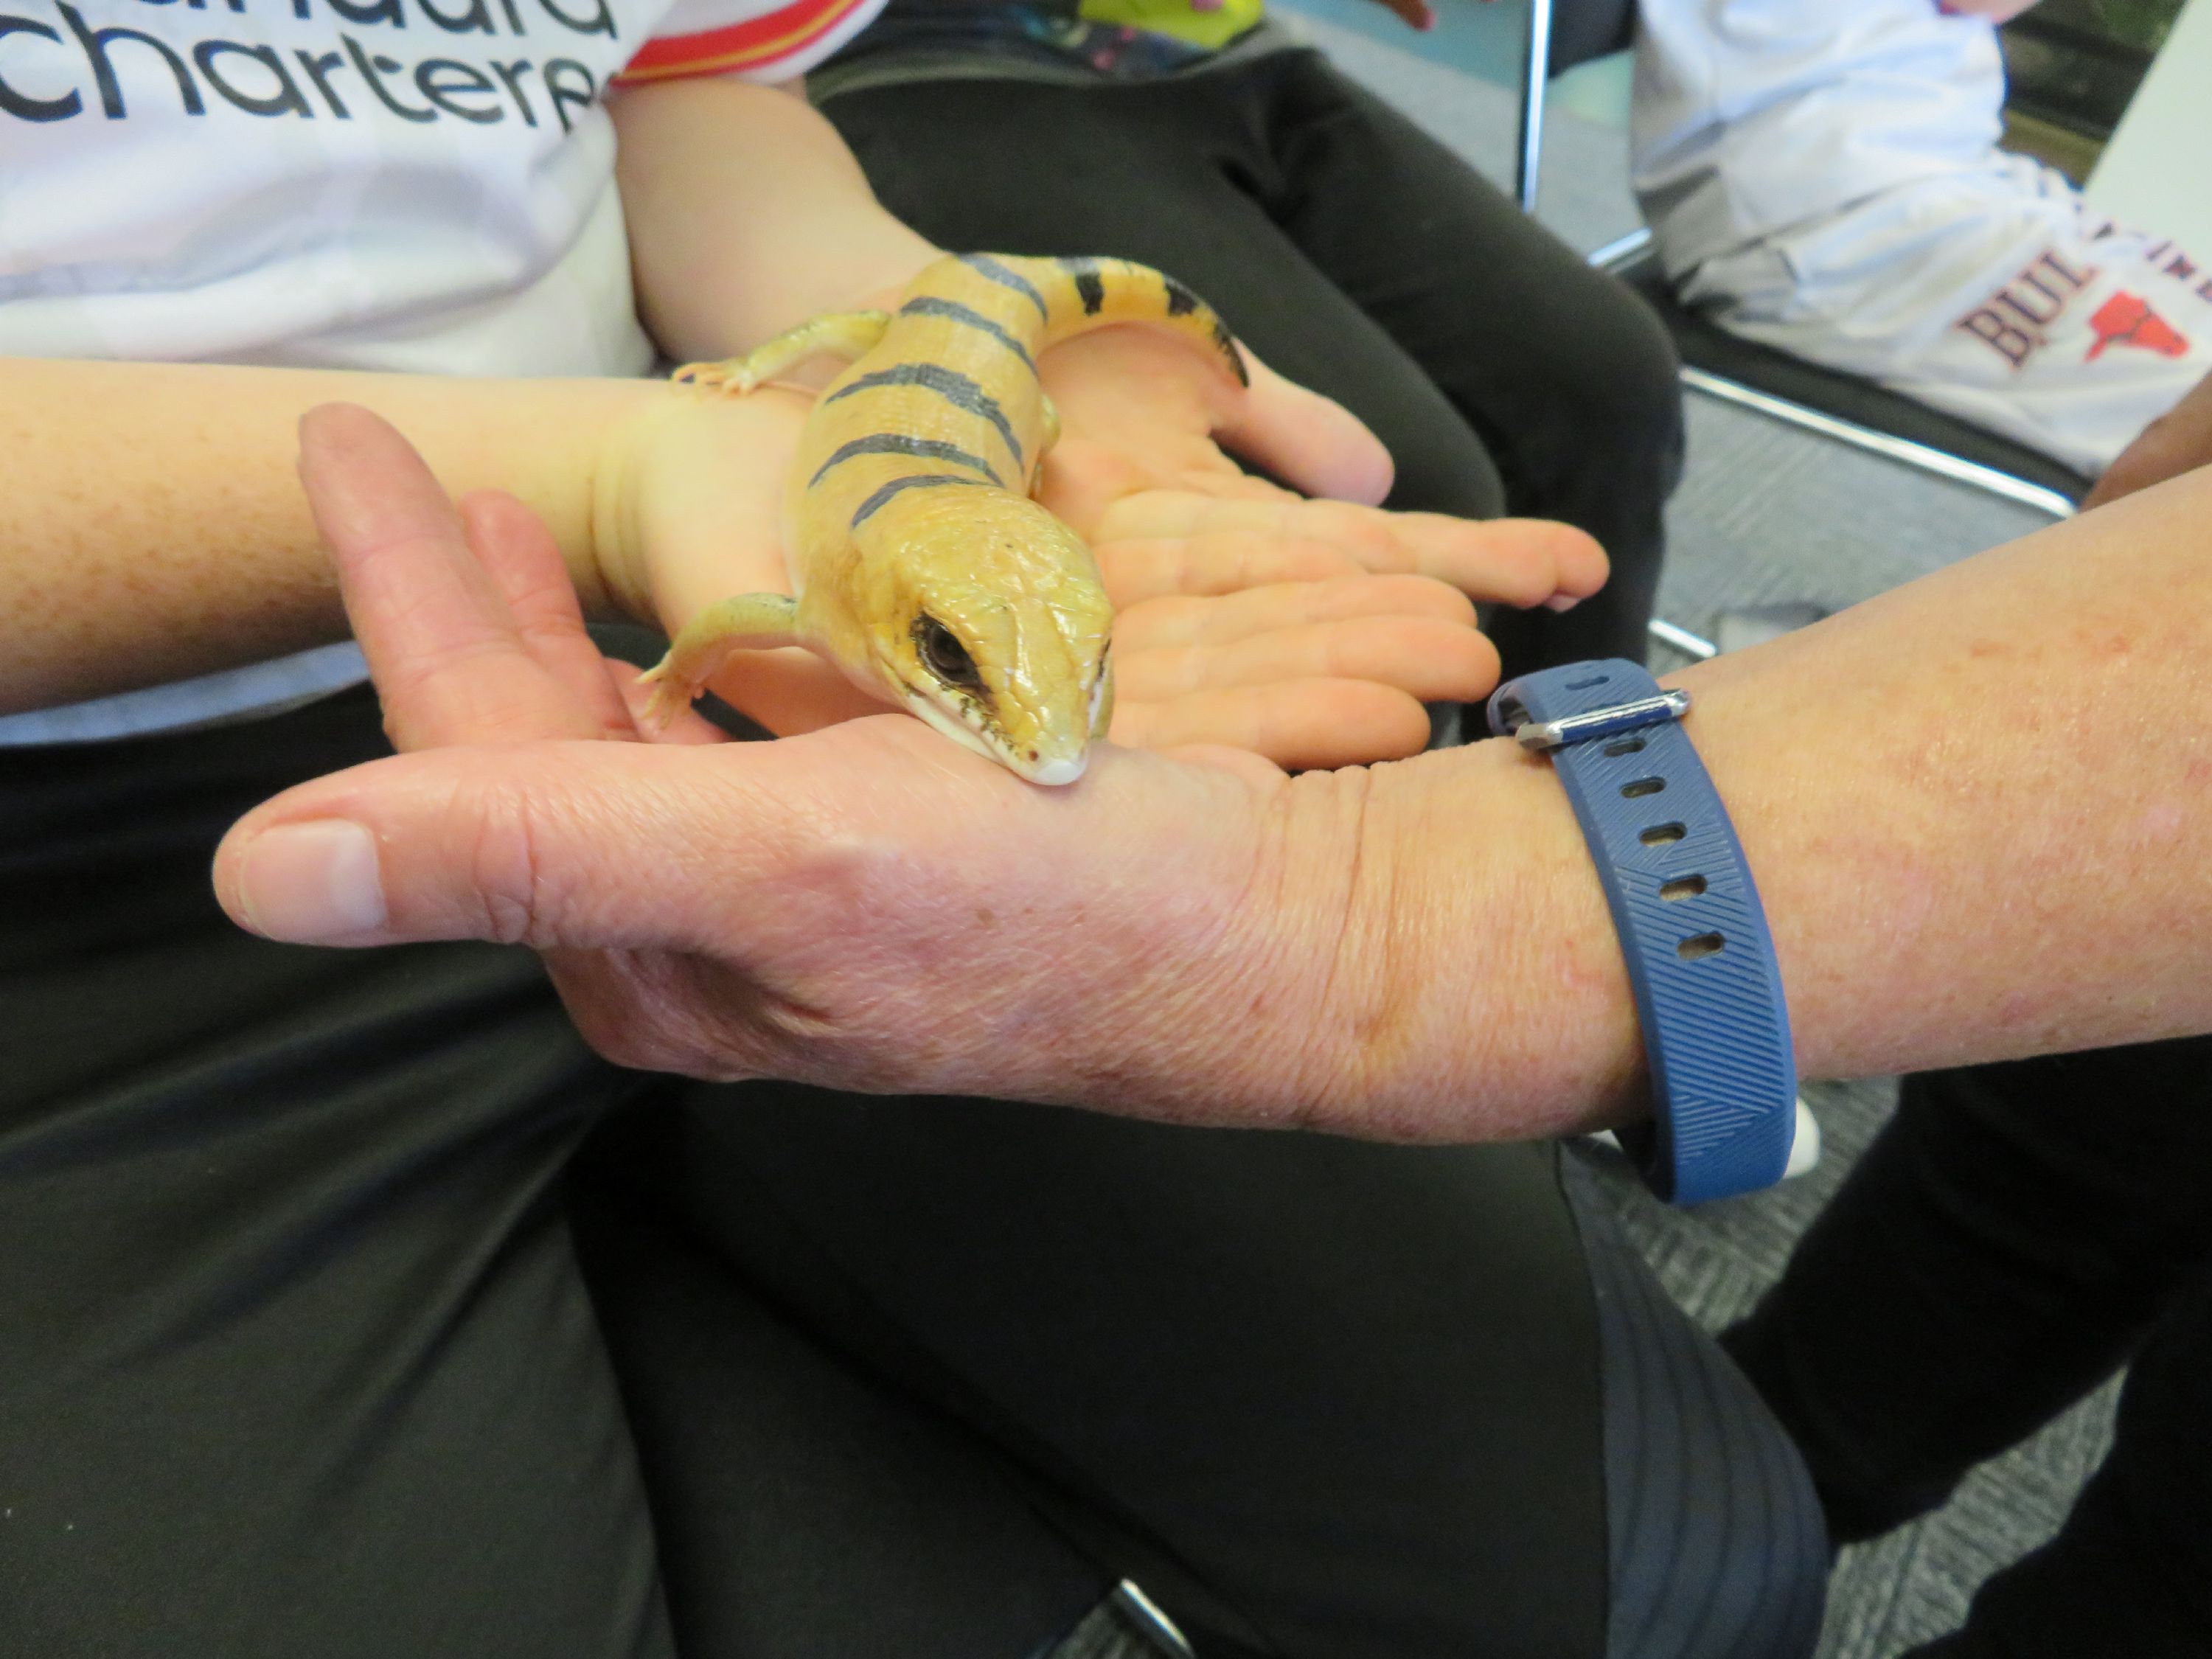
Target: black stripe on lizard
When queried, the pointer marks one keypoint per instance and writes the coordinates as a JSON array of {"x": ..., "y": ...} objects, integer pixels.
[
  {"x": 984, "y": 266},
  {"x": 951, "y": 384},
  {"x": 1089, "y": 287},
  {"x": 921, "y": 480},
  {"x": 952, "y": 311},
  {"x": 900, "y": 443}
]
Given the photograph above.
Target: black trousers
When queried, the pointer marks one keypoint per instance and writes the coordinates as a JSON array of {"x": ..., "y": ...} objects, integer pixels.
[
  {"x": 349, "y": 1307},
  {"x": 2015, "y": 1235},
  {"x": 1359, "y": 257}
]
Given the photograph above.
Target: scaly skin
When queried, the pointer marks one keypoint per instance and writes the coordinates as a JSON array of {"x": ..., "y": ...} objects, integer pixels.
[{"x": 918, "y": 564}]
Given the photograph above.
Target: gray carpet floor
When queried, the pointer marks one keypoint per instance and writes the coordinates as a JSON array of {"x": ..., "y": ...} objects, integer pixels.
[{"x": 1767, "y": 513}]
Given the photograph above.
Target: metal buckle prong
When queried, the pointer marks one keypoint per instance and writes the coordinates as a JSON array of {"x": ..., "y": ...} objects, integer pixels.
[{"x": 1543, "y": 735}]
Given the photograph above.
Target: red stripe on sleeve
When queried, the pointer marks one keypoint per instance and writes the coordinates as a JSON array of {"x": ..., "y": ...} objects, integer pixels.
[{"x": 753, "y": 44}]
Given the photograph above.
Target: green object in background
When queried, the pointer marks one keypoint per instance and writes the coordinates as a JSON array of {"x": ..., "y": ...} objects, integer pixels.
[
  {"x": 2143, "y": 23},
  {"x": 2074, "y": 64},
  {"x": 1207, "y": 23}
]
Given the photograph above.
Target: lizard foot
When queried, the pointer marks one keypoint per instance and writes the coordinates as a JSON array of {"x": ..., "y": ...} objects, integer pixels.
[
  {"x": 671, "y": 696},
  {"x": 733, "y": 377}
]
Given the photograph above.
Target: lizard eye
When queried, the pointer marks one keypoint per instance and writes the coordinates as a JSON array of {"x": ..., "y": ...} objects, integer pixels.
[{"x": 944, "y": 655}]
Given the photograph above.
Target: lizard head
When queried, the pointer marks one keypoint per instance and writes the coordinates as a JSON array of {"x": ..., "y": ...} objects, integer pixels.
[{"x": 988, "y": 620}]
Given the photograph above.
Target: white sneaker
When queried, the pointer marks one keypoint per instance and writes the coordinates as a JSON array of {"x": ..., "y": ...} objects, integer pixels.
[{"x": 1804, "y": 1141}]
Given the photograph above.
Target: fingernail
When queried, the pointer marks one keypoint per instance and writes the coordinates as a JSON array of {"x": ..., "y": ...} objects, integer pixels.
[
  {"x": 311, "y": 884},
  {"x": 1562, "y": 602}
]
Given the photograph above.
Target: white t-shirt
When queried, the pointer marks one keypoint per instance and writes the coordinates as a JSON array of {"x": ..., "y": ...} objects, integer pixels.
[
  {"x": 424, "y": 186},
  {"x": 1751, "y": 116}
]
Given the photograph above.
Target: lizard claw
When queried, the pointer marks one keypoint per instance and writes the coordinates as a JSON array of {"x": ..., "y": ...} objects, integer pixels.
[
  {"x": 732, "y": 378},
  {"x": 669, "y": 698}
]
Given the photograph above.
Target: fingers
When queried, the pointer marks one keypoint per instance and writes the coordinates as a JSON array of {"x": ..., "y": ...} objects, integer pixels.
[
  {"x": 1304, "y": 439},
  {"x": 608, "y": 846},
  {"x": 538, "y": 843},
  {"x": 1315, "y": 724},
  {"x": 441, "y": 641},
  {"x": 1188, "y": 620},
  {"x": 1154, "y": 568},
  {"x": 1516, "y": 561},
  {"x": 1306, "y": 674},
  {"x": 1431, "y": 660},
  {"x": 518, "y": 552},
  {"x": 1521, "y": 563}
]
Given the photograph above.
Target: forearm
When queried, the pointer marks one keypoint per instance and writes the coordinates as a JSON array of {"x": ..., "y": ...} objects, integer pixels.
[
  {"x": 1978, "y": 809},
  {"x": 747, "y": 216},
  {"x": 155, "y": 525}
]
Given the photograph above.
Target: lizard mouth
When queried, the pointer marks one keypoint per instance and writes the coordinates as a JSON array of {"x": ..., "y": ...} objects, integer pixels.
[{"x": 969, "y": 732}]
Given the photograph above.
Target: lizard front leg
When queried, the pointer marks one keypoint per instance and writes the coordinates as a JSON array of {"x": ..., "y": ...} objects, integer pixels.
[
  {"x": 752, "y": 622},
  {"x": 844, "y": 334}
]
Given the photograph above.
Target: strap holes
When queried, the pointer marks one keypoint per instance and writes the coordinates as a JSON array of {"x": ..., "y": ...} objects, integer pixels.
[
  {"x": 1704, "y": 945},
  {"x": 1682, "y": 887},
  {"x": 1620, "y": 746},
  {"x": 1642, "y": 786},
  {"x": 1584, "y": 685},
  {"x": 1661, "y": 835}
]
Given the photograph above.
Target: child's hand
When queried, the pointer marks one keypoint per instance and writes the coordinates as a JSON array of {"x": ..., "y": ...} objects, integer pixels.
[{"x": 1309, "y": 632}]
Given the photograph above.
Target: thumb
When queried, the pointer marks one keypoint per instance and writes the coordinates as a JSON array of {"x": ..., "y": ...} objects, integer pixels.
[
  {"x": 570, "y": 843},
  {"x": 1308, "y": 441}
]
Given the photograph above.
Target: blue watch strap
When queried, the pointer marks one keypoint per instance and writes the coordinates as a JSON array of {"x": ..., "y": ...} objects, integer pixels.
[{"x": 1700, "y": 961}]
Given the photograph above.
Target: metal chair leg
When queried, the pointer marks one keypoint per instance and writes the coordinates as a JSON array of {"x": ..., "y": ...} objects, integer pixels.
[{"x": 1536, "y": 75}]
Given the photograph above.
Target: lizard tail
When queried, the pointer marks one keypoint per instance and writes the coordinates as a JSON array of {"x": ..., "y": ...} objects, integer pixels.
[{"x": 1073, "y": 295}]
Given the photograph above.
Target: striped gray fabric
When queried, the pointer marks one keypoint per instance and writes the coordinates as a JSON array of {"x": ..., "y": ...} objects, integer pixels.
[{"x": 1715, "y": 1540}]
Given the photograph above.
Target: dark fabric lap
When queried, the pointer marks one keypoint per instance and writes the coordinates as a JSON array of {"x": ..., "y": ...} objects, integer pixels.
[
  {"x": 297, "y": 1358},
  {"x": 1319, "y": 1397}
]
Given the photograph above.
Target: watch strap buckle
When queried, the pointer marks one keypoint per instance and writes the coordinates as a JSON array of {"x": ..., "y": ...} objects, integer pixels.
[{"x": 1542, "y": 736}]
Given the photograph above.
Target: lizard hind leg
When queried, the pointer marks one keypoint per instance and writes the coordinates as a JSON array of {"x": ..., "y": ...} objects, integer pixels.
[
  {"x": 753, "y": 622},
  {"x": 843, "y": 334}
]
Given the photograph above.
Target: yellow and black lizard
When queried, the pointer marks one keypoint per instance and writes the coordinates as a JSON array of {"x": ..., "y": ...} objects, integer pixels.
[{"x": 919, "y": 564}]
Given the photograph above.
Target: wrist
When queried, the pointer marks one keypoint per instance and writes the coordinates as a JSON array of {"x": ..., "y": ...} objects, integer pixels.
[
  {"x": 685, "y": 498},
  {"x": 1480, "y": 992}
]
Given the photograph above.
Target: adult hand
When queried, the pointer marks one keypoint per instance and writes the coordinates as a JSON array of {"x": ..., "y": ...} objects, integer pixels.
[
  {"x": 844, "y": 908},
  {"x": 1420, "y": 950},
  {"x": 2175, "y": 442}
]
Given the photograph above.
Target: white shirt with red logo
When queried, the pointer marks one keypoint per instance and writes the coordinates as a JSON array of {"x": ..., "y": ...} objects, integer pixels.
[
  {"x": 1824, "y": 176},
  {"x": 424, "y": 186}
]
